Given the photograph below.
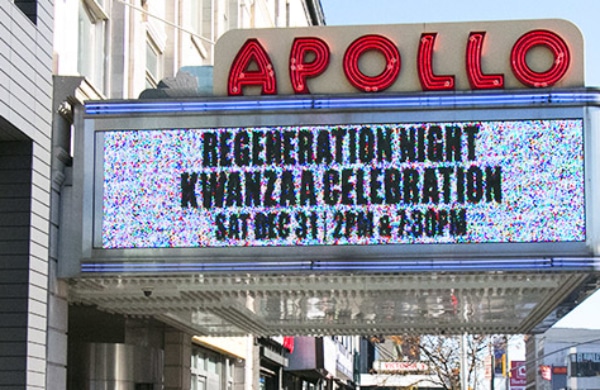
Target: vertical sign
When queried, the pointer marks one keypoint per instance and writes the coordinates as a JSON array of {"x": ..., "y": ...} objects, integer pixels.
[
  {"x": 488, "y": 367},
  {"x": 499, "y": 356},
  {"x": 518, "y": 375}
]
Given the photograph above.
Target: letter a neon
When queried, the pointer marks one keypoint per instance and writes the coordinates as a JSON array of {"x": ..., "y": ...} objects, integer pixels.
[{"x": 240, "y": 74}]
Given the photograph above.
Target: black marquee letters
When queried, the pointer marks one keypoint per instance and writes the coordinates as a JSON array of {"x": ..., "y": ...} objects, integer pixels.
[{"x": 269, "y": 184}]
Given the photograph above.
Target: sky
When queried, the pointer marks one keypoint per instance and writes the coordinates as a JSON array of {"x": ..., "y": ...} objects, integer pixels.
[{"x": 585, "y": 14}]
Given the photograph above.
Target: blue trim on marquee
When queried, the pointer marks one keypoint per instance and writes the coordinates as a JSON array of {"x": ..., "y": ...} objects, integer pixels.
[
  {"x": 454, "y": 100},
  {"x": 415, "y": 101},
  {"x": 547, "y": 264}
]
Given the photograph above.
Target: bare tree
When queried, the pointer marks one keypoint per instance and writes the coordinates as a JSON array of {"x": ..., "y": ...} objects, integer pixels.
[{"x": 442, "y": 354}]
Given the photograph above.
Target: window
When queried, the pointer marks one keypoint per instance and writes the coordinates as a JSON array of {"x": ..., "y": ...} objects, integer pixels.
[
  {"x": 262, "y": 383},
  {"x": 229, "y": 369},
  {"x": 196, "y": 16},
  {"x": 91, "y": 38},
  {"x": 156, "y": 41},
  {"x": 200, "y": 24},
  {"x": 206, "y": 367},
  {"x": 29, "y": 8},
  {"x": 153, "y": 64},
  {"x": 308, "y": 386},
  {"x": 224, "y": 9},
  {"x": 212, "y": 364},
  {"x": 197, "y": 369},
  {"x": 585, "y": 364},
  {"x": 198, "y": 382}
]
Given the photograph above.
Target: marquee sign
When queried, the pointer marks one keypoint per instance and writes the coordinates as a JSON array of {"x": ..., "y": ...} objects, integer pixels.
[
  {"x": 400, "y": 58},
  {"x": 340, "y": 180},
  {"x": 344, "y": 184}
]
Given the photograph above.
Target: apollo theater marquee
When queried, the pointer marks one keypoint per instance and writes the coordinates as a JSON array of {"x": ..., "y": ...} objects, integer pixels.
[{"x": 350, "y": 180}]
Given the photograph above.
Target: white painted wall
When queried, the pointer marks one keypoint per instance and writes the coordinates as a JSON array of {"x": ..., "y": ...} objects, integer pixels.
[{"x": 25, "y": 112}]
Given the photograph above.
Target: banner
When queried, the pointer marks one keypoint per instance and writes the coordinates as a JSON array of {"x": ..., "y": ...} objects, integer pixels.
[{"x": 518, "y": 375}]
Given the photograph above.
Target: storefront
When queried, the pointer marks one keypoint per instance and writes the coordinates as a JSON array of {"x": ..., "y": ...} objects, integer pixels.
[{"x": 321, "y": 363}]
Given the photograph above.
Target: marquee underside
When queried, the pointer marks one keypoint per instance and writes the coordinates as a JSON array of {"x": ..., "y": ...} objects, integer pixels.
[{"x": 342, "y": 303}]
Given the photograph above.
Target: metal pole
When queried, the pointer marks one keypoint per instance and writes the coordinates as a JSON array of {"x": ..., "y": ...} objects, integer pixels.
[
  {"x": 493, "y": 363},
  {"x": 249, "y": 364},
  {"x": 507, "y": 365},
  {"x": 493, "y": 374},
  {"x": 464, "y": 382}
]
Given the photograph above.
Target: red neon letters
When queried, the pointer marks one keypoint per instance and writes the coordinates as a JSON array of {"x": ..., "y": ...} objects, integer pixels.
[
  {"x": 310, "y": 57},
  {"x": 552, "y": 42},
  {"x": 240, "y": 74},
  {"x": 477, "y": 79},
  {"x": 300, "y": 69},
  {"x": 372, "y": 83},
  {"x": 430, "y": 81}
]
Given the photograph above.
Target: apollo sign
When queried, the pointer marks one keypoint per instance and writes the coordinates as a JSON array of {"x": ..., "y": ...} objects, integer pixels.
[
  {"x": 400, "y": 58},
  {"x": 337, "y": 178}
]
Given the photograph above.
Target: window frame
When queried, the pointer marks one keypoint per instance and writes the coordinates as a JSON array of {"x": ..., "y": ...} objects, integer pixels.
[
  {"x": 93, "y": 67},
  {"x": 153, "y": 76}
]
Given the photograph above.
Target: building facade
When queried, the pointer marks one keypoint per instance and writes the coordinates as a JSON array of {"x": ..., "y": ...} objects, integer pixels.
[
  {"x": 63, "y": 331},
  {"x": 322, "y": 363},
  {"x": 564, "y": 358},
  {"x": 203, "y": 277},
  {"x": 28, "y": 320},
  {"x": 55, "y": 56},
  {"x": 125, "y": 47},
  {"x": 117, "y": 49}
]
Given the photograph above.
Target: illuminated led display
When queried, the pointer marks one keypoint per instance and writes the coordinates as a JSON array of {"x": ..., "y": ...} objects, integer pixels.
[{"x": 347, "y": 184}]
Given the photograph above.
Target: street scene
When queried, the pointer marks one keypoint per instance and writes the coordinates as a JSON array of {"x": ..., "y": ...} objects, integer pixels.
[{"x": 299, "y": 195}]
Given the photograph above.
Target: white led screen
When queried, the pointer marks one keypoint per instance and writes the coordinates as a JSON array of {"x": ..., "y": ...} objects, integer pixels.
[{"x": 348, "y": 184}]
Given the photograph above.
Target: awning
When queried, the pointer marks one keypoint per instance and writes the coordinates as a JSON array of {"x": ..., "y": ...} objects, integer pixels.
[{"x": 342, "y": 304}]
